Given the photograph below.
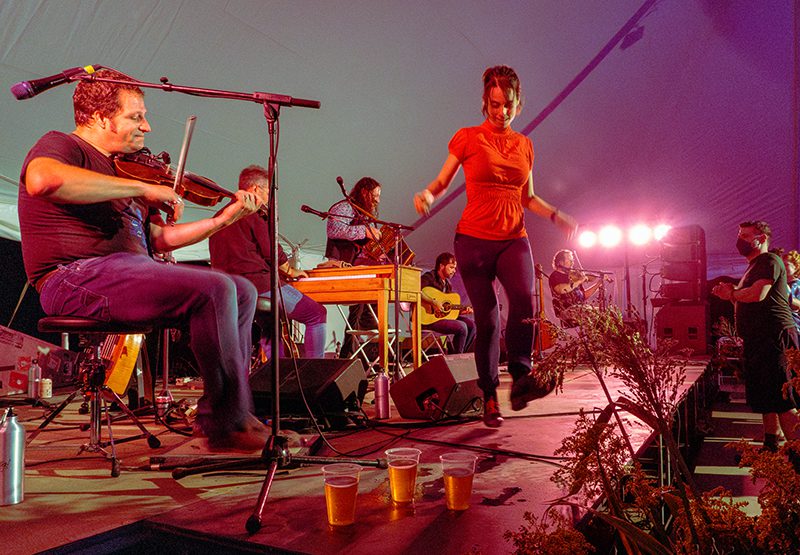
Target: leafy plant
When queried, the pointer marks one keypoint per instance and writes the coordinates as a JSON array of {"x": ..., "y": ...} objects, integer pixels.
[{"x": 599, "y": 460}]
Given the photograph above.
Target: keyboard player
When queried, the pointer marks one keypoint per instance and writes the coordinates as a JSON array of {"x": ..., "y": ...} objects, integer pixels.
[{"x": 348, "y": 230}]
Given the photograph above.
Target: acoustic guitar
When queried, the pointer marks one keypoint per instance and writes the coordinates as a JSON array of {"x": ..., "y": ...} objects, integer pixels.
[
  {"x": 120, "y": 353},
  {"x": 450, "y": 304}
]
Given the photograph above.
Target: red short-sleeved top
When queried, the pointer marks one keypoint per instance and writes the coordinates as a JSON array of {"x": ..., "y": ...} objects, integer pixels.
[{"x": 496, "y": 167}]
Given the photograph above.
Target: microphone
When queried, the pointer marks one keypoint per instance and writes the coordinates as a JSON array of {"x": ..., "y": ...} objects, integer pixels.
[
  {"x": 340, "y": 181},
  {"x": 307, "y": 209},
  {"x": 29, "y": 89}
]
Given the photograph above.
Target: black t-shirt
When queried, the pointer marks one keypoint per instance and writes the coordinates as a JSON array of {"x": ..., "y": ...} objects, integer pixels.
[
  {"x": 563, "y": 301},
  {"x": 55, "y": 233},
  {"x": 243, "y": 249},
  {"x": 432, "y": 279},
  {"x": 765, "y": 319}
]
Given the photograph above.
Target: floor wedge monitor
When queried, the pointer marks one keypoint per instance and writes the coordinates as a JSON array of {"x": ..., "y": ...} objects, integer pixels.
[
  {"x": 332, "y": 387},
  {"x": 444, "y": 386}
]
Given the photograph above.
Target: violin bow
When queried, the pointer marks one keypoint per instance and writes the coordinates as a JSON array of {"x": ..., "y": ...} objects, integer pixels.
[{"x": 187, "y": 140}]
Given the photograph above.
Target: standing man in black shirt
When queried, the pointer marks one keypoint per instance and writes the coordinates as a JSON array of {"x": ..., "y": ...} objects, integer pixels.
[{"x": 764, "y": 322}]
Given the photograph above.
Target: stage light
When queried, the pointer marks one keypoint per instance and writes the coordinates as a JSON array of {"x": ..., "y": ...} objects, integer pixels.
[
  {"x": 587, "y": 239},
  {"x": 640, "y": 234},
  {"x": 610, "y": 236},
  {"x": 660, "y": 231}
]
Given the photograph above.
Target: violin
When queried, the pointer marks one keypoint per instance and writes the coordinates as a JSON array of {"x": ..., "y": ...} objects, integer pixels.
[
  {"x": 142, "y": 165},
  {"x": 577, "y": 275}
]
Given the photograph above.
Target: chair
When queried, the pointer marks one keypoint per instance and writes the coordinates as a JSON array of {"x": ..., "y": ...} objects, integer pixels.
[
  {"x": 92, "y": 382},
  {"x": 365, "y": 337},
  {"x": 433, "y": 344}
]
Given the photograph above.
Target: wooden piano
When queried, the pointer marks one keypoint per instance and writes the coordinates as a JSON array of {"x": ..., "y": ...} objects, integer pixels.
[{"x": 369, "y": 284}]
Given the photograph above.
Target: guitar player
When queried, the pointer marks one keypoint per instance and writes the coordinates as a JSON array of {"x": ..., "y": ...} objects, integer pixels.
[{"x": 461, "y": 329}]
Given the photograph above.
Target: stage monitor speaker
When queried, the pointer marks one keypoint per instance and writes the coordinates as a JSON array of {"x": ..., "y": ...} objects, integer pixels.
[
  {"x": 687, "y": 234},
  {"x": 682, "y": 252},
  {"x": 687, "y": 324},
  {"x": 332, "y": 386},
  {"x": 683, "y": 271},
  {"x": 689, "y": 290},
  {"x": 444, "y": 386}
]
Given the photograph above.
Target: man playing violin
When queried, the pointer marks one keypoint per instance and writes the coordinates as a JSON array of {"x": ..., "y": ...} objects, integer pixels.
[
  {"x": 88, "y": 239},
  {"x": 244, "y": 249},
  {"x": 461, "y": 329},
  {"x": 569, "y": 288}
]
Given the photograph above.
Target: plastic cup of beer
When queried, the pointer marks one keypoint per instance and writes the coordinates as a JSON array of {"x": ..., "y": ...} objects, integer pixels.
[
  {"x": 403, "y": 463},
  {"x": 341, "y": 487},
  {"x": 458, "y": 470}
]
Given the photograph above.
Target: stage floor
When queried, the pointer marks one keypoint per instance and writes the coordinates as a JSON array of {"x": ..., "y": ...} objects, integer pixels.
[{"x": 70, "y": 498}]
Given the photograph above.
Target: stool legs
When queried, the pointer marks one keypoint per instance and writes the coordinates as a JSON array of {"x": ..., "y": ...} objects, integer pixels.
[{"x": 92, "y": 375}]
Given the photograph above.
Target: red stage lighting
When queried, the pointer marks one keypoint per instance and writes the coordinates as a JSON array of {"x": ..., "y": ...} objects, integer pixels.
[
  {"x": 587, "y": 239},
  {"x": 610, "y": 236},
  {"x": 640, "y": 234},
  {"x": 660, "y": 231}
]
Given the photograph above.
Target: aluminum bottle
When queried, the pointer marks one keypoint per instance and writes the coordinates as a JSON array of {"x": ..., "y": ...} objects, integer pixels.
[
  {"x": 34, "y": 377},
  {"x": 381, "y": 396},
  {"x": 12, "y": 460}
]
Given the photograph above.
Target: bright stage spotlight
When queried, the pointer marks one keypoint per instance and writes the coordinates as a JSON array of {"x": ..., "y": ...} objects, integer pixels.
[
  {"x": 640, "y": 234},
  {"x": 660, "y": 231},
  {"x": 587, "y": 239},
  {"x": 610, "y": 236}
]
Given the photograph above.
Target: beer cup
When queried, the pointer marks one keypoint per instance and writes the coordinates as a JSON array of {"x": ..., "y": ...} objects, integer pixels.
[
  {"x": 403, "y": 463},
  {"x": 458, "y": 470},
  {"x": 341, "y": 487}
]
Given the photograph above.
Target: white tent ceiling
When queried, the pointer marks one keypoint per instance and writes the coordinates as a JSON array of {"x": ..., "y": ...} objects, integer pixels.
[{"x": 695, "y": 122}]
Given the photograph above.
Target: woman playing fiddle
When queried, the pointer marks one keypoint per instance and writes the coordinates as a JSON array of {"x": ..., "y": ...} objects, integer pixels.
[
  {"x": 491, "y": 242},
  {"x": 571, "y": 288}
]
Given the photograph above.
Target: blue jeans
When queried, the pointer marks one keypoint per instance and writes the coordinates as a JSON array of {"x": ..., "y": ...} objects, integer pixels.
[
  {"x": 480, "y": 262},
  {"x": 135, "y": 289},
  {"x": 461, "y": 329},
  {"x": 309, "y": 313}
]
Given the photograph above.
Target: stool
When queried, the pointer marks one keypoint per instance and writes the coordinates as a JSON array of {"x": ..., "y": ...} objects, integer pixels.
[{"x": 92, "y": 382}]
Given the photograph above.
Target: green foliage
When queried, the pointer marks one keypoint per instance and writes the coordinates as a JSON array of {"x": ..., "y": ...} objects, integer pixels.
[
  {"x": 552, "y": 535},
  {"x": 597, "y": 461}
]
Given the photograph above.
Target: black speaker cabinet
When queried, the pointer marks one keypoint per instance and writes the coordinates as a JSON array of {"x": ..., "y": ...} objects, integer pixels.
[
  {"x": 443, "y": 386},
  {"x": 685, "y": 323},
  {"x": 331, "y": 386}
]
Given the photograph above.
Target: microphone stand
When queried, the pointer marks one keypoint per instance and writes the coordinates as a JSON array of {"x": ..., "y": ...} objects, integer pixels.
[
  {"x": 601, "y": 275},
  {"x": 276, "y": 451},
  {"x": 396, "y": 227}
]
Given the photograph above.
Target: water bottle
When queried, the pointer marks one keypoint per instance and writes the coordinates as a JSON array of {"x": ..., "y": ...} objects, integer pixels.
[
  {"x": 12, "y": 459},
  {"x": 34, "y": 377},
  {"x": 381, "y": 396}
]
